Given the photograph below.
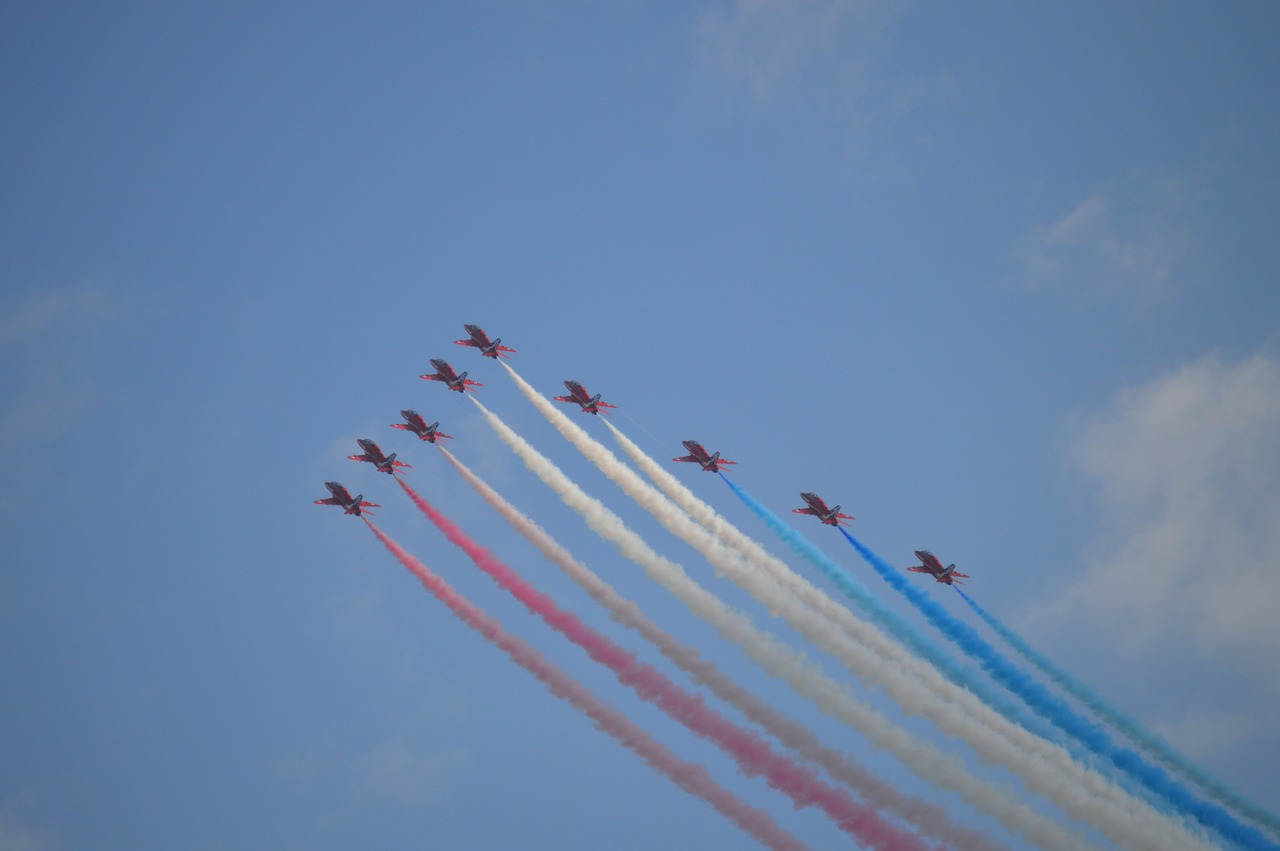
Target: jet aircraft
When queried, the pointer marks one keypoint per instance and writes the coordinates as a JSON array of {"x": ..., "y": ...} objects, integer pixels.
[
  {"x": 445, "y": 373},
  {"x": 818, "y": 508},
  {"x": 578, "y": 395},
  {"x": 350, "y": 505},
  {"x": 930, "y": 565},
  {"x": 480, "y": 340},
  {"x": 374, "y": 455},
  {"x": 698, "y": 455},
  {"x": 418, "y": 426}
]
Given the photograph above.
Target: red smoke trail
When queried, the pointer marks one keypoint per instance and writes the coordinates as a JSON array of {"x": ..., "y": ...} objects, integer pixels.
[
  {"x": 692, "y": 778},
  {"x": 930, "y": 819},
  {"x": 753, "y": 754}
]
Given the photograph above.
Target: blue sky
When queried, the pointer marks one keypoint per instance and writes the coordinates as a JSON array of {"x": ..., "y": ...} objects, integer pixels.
[{"x": 1000, "y": 279}]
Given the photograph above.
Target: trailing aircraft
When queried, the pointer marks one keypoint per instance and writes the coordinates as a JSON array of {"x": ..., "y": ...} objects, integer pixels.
[
  {"x": 932, "y": 566},
  {"x": 698, "y": 455},
  {"x": 375, "y": 456},
  {"x": 418, "y": 426},
  {"x": 350, "y": 505},
  {"x": 578, "y": 395},
  {"x": 445, "y": 373},
  {"x": 818, "y": 508},
  {"x": 480, "y": 340}
]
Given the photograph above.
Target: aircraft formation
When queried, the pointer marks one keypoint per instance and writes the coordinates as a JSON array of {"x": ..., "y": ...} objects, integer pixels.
[
  {"x": 875, "y": 645},
  {"x": 710, "y": 462}
]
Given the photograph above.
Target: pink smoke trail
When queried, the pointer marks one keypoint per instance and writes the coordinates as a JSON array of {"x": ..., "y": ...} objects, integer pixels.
[
  {"x": 753, "y": 754},
  {"x": 692, "y": 778},
  {"x": 930, "y": 819}
]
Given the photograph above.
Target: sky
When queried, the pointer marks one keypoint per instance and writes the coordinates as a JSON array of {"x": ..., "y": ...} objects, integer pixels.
[{"x": 998, "y": 278}]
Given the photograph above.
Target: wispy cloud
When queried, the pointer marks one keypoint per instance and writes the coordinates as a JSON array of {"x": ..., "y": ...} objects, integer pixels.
[
  {"x": 396, "y": 771},
  {"x": 828, "y": 65},
  {"x": 770, "y": 49},
  {"x": 46, "y": 339},
  {"x": 1188, "y": 469},
  {"x": 41, "y": 316},
  {"x": 1130, "y": 239},
  {"x": 17, "y": 833}
]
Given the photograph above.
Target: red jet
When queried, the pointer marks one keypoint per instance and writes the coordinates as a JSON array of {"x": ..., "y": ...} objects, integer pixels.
[
  {"x": 417, "y": 425},
  {"x": 374, "y": 455},
  {"x": 818, "y": 508},
  {"x": 698, "y": 455},
  {"x": 480, "y": 340},
  {"x": 445, "y": 373},
  {"x": 946, "y": 575},
  {"x": 349, "y": 504},
  {"x": 590, "y": 404}
]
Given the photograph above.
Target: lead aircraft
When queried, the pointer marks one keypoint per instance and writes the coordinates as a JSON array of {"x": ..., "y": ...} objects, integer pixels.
[
  {"x": 578, "y": 395},
  {"x": 932, "y": 566},
  {"x": 818, "y": 508},
  {"x": 350, "y": 504},
  {"x": 480, "y": 340},
  {"x": 445, "y": 373},
  {"x": 417, "y": 425},
  {"x": 698, "y": 455},
  {"x": 375, "y": 456}
]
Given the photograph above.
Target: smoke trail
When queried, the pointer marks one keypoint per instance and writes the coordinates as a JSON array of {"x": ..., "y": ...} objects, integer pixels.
[
  {"x": 754, "y": 756},
  {"x": 797, "y": 670},
  {"x": 1046, "y": 768},
  {"x": 692, "y": 778},
  {"x": 1056, "y": 710},
  {"x": 930, "y": 819},
  {"x": 1149, "y": 741},
  {"x": 820, "y": 602}
]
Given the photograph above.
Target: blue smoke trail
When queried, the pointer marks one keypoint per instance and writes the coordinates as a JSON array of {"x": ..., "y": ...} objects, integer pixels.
[
  {"x": 1061, "y": 715},
  {"x": 1148, "y": 741},
  {"x": 875, "y": 608}
]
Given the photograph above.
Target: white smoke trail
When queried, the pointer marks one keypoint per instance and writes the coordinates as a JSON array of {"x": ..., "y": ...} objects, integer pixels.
[
  {"x": 793, "y": 667},
  {"x": 929, "y": 819},
  {"x": 913, "y": 684}
]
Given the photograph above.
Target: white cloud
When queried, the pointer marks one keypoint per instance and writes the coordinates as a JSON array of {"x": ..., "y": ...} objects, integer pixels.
[
  {"x": 48, "y": 314},
  {"x": 49, "y": 341},
  {"x": 769, "y": 49},
  {"x": 1132, "y": 239},
  {"x": 17, "y": 833},
  {"x": 1187, "y": 564},
  {"x": 1204, "y": 733},
  {"x": 829, "y": 65},
  {"x": 396, "y": 771}
]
